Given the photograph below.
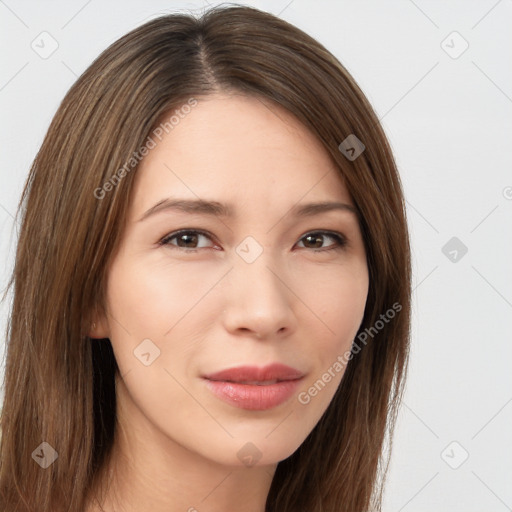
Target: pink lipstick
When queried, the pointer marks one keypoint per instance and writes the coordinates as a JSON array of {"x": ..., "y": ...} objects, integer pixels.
[{"x": 253, "y": 388}]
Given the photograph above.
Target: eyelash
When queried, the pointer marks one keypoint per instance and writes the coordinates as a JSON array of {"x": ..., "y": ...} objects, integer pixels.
[{"x": 340, "y": 239}]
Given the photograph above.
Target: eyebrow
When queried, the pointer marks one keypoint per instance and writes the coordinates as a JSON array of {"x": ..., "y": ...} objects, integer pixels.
[{"x": 216, "y": 209}]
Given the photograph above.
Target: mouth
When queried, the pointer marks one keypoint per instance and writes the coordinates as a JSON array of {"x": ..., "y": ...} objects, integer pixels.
[
  {"x": 254, "y": 375},
  {"x": 253, "y": 388},
  {"x": 251, "y": 383}
]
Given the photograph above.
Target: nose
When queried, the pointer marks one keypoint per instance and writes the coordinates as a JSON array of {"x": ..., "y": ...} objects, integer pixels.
[{"x": 258, "y": 301}]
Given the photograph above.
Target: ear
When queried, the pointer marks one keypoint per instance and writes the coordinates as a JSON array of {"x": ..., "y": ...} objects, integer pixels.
[{"x": 99, "y": 328}]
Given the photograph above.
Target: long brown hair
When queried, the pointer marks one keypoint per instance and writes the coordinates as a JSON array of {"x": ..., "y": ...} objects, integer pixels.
[{"x": 59, "y": 385}]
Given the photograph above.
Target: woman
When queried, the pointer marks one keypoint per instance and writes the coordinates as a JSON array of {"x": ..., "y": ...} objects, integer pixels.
[{"x": 212, "y": 282}]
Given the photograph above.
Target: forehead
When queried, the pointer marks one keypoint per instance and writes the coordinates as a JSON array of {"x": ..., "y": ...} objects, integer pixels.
[{"x": 240, "y": 150}]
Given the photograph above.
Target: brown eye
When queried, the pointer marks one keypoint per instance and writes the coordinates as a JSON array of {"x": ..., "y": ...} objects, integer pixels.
[
  {"x": 188, "y": 239},
  {"x": 315, "y": 240}
]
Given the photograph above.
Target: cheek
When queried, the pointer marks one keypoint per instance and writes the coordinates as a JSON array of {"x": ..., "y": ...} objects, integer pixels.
[
  {"x": 148, "y": 300},
  {"x": 162, "y": 302},
  {"x": 338, "y": 302},
  {"x": 340, "y": 305}
]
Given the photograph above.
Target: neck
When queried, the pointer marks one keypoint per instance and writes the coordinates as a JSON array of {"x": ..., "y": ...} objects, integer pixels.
[{"x": 149, "y": 472}]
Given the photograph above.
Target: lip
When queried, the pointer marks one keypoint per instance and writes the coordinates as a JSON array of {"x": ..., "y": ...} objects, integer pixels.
[{"x": 254, "y": 388}]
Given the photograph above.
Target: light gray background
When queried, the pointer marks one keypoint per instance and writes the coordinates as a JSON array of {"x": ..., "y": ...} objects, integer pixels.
[{"x": 449, "y": 121}]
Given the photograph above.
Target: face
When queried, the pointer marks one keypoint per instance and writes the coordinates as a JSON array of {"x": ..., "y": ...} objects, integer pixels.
[{"x": 225, "y": 320}]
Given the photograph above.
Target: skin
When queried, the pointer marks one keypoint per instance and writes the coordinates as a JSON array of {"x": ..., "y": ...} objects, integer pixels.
[{"x": 176, "y": 445}]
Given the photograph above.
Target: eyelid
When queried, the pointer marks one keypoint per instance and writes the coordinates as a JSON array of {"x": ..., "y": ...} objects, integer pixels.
[
  {"x": 174, "y": 234},
  {"x": 341, "y": 239},
  {"x": 336, "y": 235}
]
